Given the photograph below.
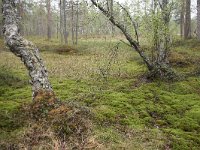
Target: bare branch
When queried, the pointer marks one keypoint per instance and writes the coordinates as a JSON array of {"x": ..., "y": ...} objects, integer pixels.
[
  {"x": 132, "y": 42},
  {"x": 132, "y": 21}
]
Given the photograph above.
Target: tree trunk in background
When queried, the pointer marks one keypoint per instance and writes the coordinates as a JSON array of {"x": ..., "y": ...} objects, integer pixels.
[
  {"x": 65, "y": 33},
  {"x": 61, "y": 21},
  {"x": 1, "y": 22},
  {"x": 72, "y": 21},
  {"x": 77, "y": 21},
  {"x": 166, "y": 12},
  {"x": 57, "y": 26},
  {"x": 48, "y": 3},
  {"x": 112, "y": 11},
  {"x": 21, "y": 14},
  {"x": 145, "y": 7},
  {"x": 187, "y": 27},
  {"x": 24, "y": 49},
  {"x": 164, "y": 51},
  {"x": 182, "y": 18},
  {"x": 198, "y": 19}
]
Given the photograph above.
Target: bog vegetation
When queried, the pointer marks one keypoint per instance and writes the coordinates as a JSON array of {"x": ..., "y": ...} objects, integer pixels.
[{"x": 124, "y": 75}]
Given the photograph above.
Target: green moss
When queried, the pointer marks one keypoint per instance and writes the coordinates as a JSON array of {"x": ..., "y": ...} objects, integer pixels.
[
  {"x": 187, "y": 124},
  {"x": 104, "y": 113},
  {"x": 183, "y": 140},
  {"x": 194, "y": 114},
  {"x": 107, "y": 135},
  {"x": 119, "y": 101}
]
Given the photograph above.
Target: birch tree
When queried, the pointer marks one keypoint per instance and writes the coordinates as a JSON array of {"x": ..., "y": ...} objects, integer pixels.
[
  {"x": 77, "y": 21},
  {"x": 72, "y": 20},
  {"x": 159, "y": 67},
  {"x": 24, "y": 49},
  {"x": 48, "y": 5}
]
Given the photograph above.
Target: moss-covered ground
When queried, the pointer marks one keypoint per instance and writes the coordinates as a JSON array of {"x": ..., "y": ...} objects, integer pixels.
[{"x": 129, "y": 112}]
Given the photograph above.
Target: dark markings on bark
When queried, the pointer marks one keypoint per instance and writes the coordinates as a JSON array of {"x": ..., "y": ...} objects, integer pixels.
[{"x": 24, "y": 49}]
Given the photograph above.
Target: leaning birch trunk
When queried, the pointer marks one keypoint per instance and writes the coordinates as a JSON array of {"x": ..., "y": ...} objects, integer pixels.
[
  {"x": 156, "y": 70},
  {"x": 24, "y": 49}
]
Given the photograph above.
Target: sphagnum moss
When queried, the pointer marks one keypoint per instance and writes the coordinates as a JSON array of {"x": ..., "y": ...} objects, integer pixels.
[{"x": 126, "y": 109}]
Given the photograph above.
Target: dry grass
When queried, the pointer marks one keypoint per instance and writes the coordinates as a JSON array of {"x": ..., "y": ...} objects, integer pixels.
[
  {"x": 10, "y": 61},
  {"x": 96, "y": 63}
]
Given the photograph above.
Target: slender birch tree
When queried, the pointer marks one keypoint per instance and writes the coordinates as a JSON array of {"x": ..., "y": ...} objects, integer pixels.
[{"x": 24, "y": 49}]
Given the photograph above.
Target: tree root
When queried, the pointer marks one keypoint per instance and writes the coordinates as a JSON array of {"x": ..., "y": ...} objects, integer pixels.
[{"x": 163, "y": 72}]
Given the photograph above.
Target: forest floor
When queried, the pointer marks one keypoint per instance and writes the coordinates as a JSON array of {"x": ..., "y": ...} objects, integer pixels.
[{"x": 107, "y": 77}]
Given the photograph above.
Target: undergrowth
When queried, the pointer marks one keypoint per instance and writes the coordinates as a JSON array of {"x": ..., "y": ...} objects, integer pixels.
[{"x": 107, "y": 88}]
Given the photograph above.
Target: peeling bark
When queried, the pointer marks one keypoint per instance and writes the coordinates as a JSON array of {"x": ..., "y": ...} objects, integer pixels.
[{"x": 24, "y": 49}]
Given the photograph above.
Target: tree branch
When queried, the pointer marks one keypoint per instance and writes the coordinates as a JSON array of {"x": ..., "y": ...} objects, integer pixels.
[
  {"x": 132, "y": 42},
  {"x": 132, "y": 21}
]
